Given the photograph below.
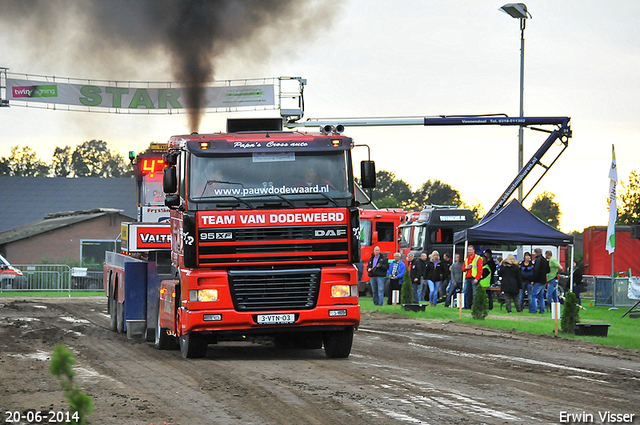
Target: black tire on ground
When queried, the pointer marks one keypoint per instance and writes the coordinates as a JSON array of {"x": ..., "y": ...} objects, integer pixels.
[
  {"x": 192, "y": 346},
  {"x": 120, "y": 317},
  {"x": 337, "y": 344},
  {"x": 163, "y": 341},
  {"x": 113, "y": 313}
]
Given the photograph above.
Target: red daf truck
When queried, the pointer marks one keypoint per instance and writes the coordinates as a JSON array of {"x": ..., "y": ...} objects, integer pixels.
[{"x": 262, "y": 239}]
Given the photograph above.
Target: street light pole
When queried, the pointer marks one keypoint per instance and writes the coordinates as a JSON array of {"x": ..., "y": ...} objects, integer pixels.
[
  {"x": 519, "y": 11},
  {"x": 521, "y": 129}
]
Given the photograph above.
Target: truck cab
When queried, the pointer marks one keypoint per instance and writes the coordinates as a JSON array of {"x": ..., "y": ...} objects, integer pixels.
[
  {"x": 264, "y": 238},
  {"x": 434, "y": 229}
]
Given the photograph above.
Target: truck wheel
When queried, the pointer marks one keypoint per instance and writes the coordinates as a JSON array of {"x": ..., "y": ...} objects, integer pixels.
[
  {"x": 192, "y": 346},
  {"x": 120, "y": 317},
  {"x": 112, "y": 313},
  {"x": 337, "y": 344},
  {"x": 163, "y": 341}
]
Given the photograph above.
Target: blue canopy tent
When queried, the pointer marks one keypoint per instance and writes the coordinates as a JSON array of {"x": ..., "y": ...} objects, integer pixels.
[{"x": 514, "y": 225}]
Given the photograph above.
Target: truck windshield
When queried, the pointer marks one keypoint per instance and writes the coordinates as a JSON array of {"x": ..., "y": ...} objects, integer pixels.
[{"x": 264, "y": 175}]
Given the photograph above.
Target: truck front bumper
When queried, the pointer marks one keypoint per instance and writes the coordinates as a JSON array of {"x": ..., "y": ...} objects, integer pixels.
[{"x": 232, "y": 321}]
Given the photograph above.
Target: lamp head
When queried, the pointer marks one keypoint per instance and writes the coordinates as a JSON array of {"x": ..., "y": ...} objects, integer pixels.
[{"x": 516, "y": 10}]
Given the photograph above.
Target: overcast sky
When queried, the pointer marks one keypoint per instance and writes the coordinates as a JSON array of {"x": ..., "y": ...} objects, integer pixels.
[{"x": 370, "y": 58}]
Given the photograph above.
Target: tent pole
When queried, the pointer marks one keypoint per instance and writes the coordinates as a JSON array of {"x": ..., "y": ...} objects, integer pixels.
[{"x": 571, "y": 275}]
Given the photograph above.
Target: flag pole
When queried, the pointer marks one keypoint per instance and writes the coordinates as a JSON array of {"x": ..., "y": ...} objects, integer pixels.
[{"x": 613, "y": 216}]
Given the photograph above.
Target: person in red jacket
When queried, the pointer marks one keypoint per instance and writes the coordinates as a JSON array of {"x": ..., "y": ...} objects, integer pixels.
[{"x": 472, "y": 269}]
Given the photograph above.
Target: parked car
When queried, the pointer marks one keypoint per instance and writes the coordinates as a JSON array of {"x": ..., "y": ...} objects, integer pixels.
[{"x": 10, "y": 277}]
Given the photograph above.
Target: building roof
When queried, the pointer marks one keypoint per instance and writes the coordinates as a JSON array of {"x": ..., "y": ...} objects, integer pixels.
[
  {"x": 52, "y": 222},
  {"x": 29, "y": 199}
]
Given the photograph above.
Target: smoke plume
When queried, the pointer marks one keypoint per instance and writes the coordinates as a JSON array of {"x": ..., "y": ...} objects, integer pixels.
[{"x": 125, "y": 39}]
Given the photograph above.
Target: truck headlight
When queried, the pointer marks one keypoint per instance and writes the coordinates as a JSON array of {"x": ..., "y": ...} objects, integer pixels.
[
  {"x": 344, "y": 291},
  {"x": 203, "y": 295}
]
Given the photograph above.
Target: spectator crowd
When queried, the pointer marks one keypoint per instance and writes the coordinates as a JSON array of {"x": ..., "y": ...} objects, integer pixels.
[{"x": 532, "y": 282}]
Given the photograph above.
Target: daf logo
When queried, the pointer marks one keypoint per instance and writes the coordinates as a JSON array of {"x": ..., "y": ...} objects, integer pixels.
[{"x": 320, "y": 233}]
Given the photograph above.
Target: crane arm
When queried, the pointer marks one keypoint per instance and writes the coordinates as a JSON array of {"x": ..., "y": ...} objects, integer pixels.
[{"x": 561, "y": 133}]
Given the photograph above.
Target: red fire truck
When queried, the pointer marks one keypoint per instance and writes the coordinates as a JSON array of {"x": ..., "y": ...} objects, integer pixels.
[
  {"x": 262, "y": 240},
  {"x": 378, "y": 228}
]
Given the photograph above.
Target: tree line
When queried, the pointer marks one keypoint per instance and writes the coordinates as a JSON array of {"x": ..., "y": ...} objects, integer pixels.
[
  {"x": 94, "y": 159},
  {"x": 90, "y": 159},
  {"x": 391, "y": 192}
]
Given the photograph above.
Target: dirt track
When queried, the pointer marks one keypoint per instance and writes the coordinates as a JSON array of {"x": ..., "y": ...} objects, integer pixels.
[{"x": 400, "y": 371}]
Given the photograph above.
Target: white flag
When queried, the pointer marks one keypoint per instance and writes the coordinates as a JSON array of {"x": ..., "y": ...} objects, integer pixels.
[{"x": 613, "y": 209}]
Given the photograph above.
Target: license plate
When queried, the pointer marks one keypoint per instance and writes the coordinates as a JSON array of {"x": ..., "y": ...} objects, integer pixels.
[{"x": 275, "y": 319}]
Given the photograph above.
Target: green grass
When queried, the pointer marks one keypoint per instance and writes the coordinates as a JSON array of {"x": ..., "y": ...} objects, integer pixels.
[
  {"x": 51, "y": 294},
  {"x": 623, "y": 333}
]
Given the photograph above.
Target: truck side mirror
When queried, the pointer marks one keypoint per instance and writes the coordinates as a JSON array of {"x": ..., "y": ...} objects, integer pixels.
[
  {"x": 368, "y": 174},
  {"x": 171, "y": 158},
  {"x": 170, "y": 180},
  {"x": 172, "y": 200}
]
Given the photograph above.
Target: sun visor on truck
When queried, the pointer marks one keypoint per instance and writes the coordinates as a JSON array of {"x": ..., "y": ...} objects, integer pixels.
[{"x": 237, "y": 125}]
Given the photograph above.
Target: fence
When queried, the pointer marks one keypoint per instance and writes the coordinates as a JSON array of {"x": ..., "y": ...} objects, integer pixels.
[
  {"x": 608, "y": 291},
  {"x": 54, "y": 277}
]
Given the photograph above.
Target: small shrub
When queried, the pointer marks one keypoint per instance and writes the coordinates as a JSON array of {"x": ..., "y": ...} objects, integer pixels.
[
  {"x": 570, "y": 313},
  {"x": 480, "y": 307},
  {"x": 62, "y": 361},
  {"x": 406, "y": 290}
]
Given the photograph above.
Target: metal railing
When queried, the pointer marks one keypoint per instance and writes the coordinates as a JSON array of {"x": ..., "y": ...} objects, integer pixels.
[
  {"x": 54, "y": 278},
  {"x": 607, "y": 291}
]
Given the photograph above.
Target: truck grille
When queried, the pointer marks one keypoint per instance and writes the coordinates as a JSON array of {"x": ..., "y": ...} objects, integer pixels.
[
  {"x": 269, "y": 245},
  {"x": 260, "y": 290}
]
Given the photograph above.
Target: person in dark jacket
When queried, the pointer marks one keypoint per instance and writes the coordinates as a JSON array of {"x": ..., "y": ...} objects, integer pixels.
[
  {"x": 456, "y": 279},
  {"x": 511, "y": 282},
  {"x": 433, "y": 276},
  {"x": 416, "y": 273},
  {"x": 578, "y": 286},
  {"x": 377, "y": 270},
  {"x": 488, "y": 259},
  {"x": 488, "y": 277},
  {"x": 446, "y": 274},
  {"x": 526, "y": 268},
  {"x": 540, "y": 270}
]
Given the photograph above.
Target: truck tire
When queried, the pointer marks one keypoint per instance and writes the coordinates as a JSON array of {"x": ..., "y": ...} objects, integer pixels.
[
  {"x": 120, "y": 317},
  {"x": 192, "y": 346},
  {"x": 337, "y": 344},
  {"x": 163, "y": 341},
  {"x": 113, "y": 313}
]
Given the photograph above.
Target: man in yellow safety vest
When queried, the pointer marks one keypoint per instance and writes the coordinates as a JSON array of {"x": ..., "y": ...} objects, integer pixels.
[{"x": 472, "y": 268}]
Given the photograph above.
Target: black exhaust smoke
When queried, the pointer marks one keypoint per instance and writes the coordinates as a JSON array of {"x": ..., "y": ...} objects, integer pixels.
[{"x": 121, "y": 38}]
